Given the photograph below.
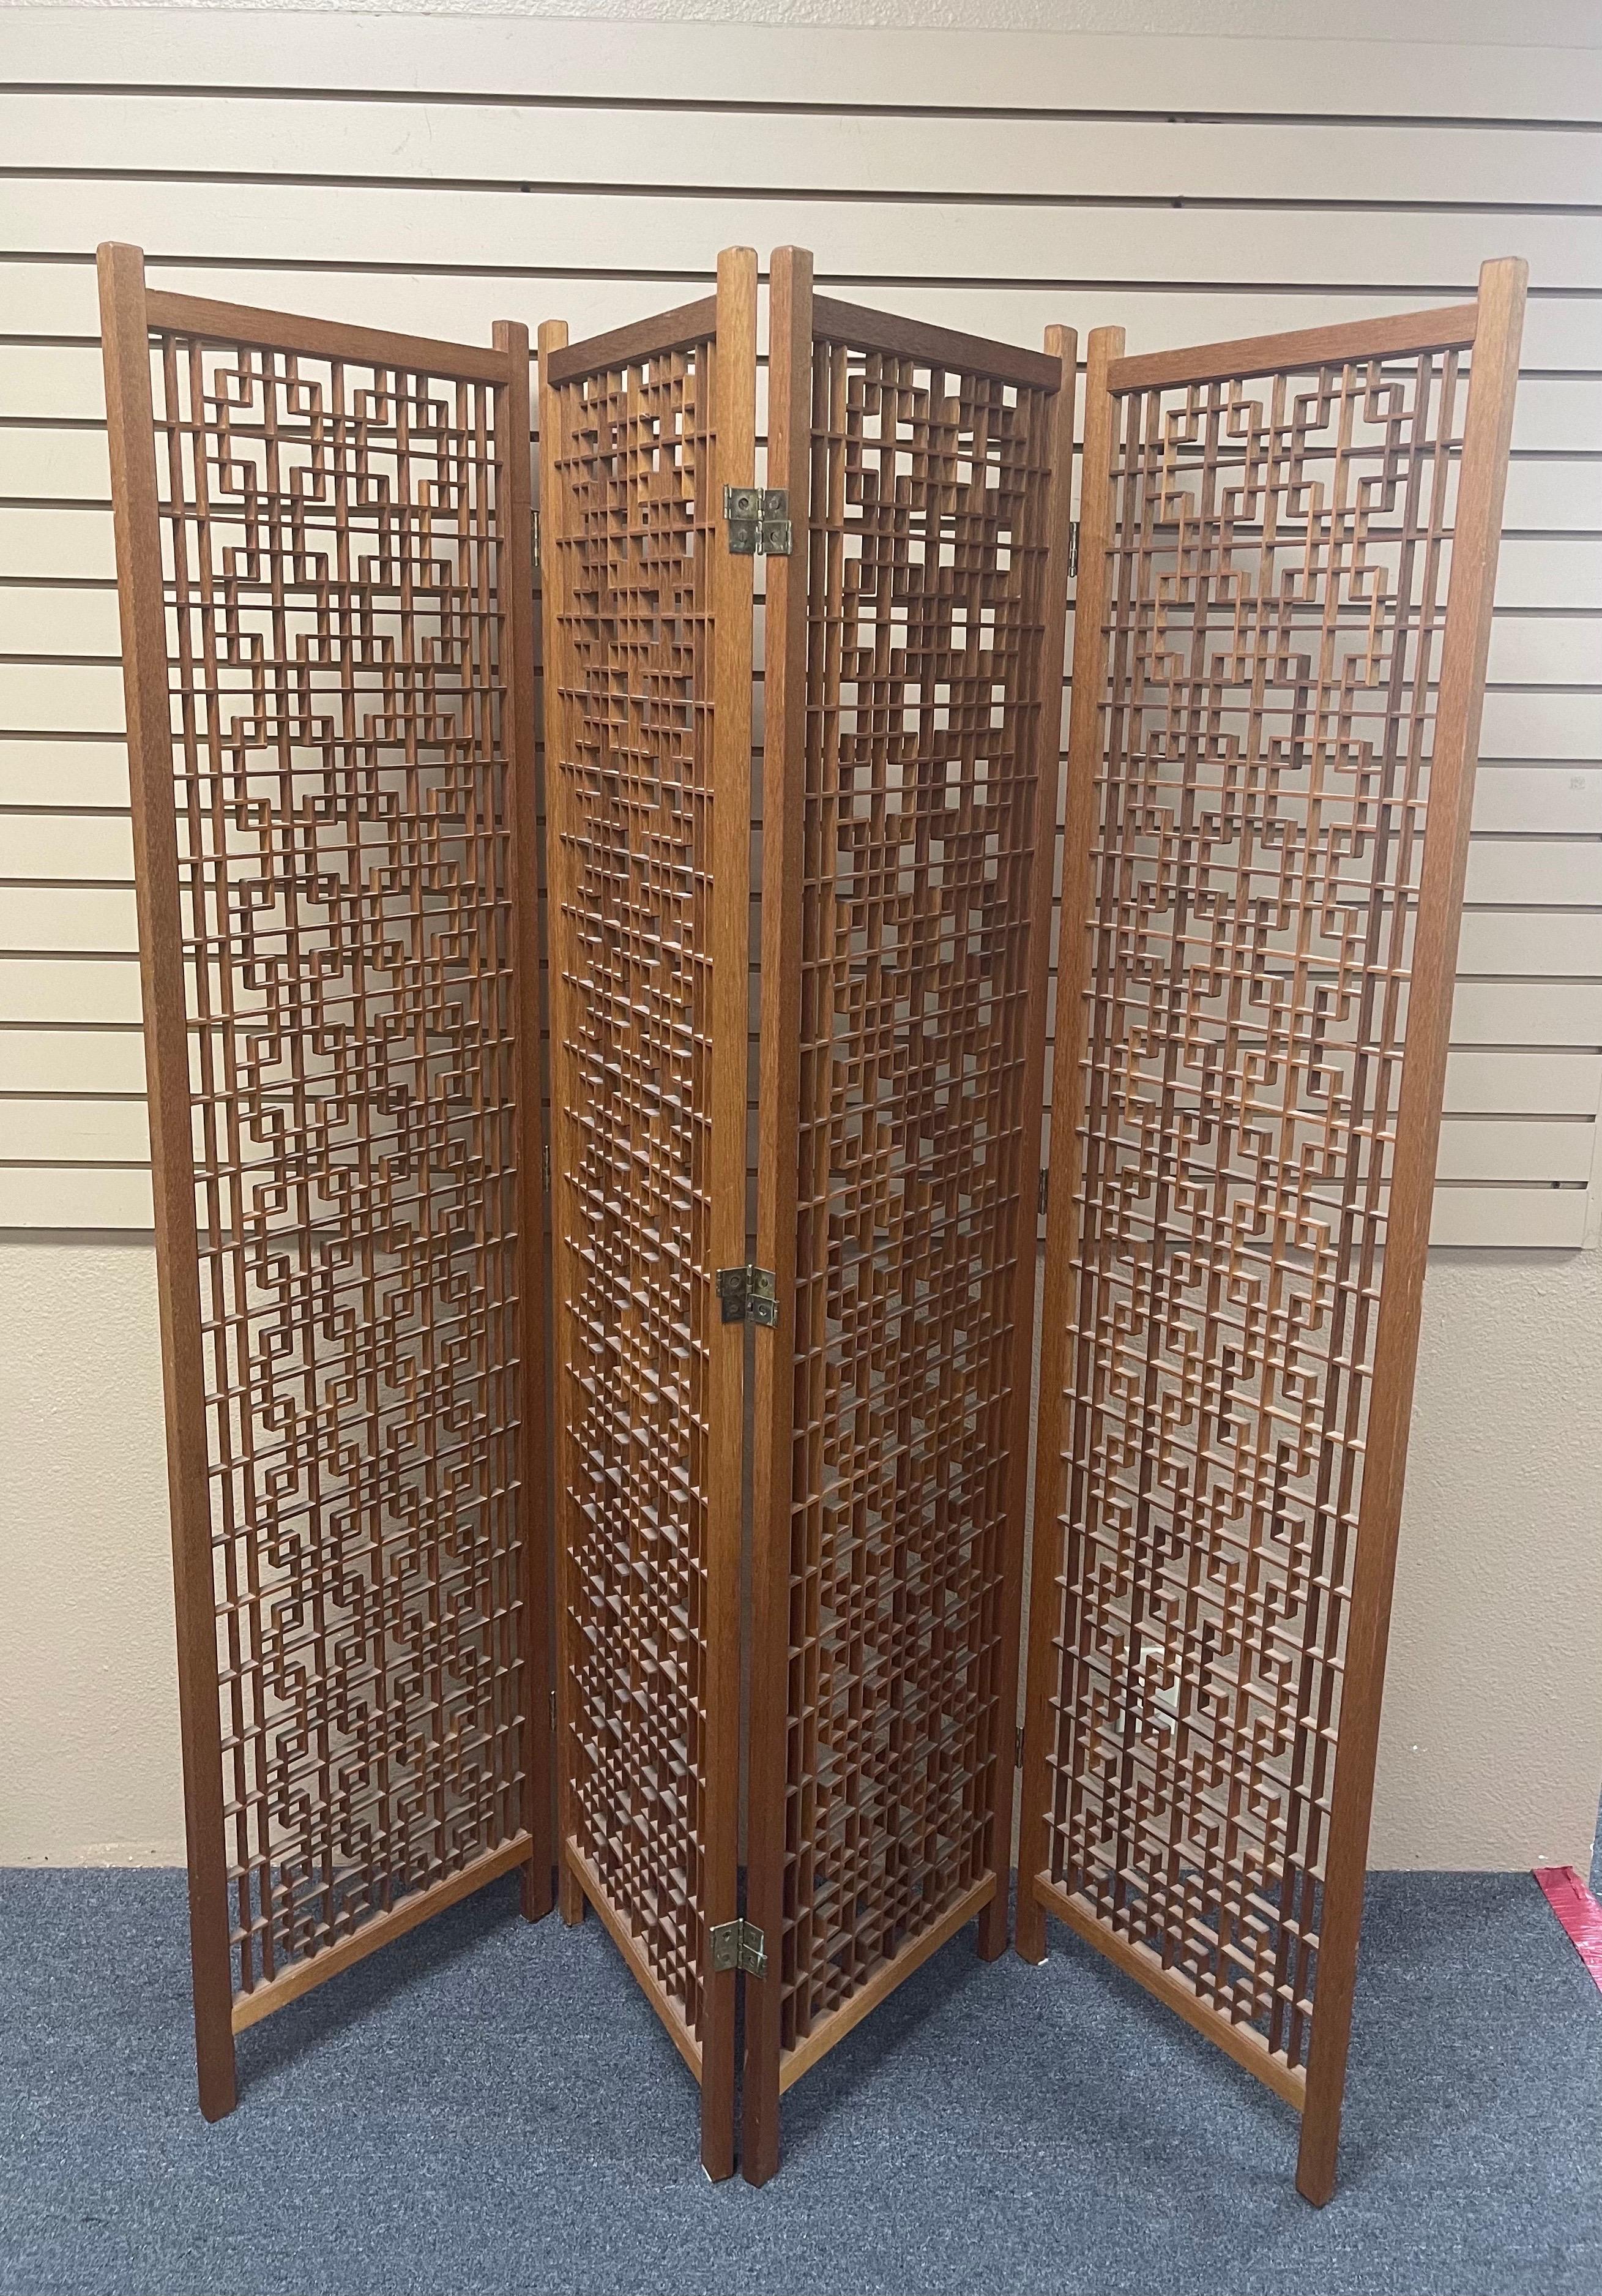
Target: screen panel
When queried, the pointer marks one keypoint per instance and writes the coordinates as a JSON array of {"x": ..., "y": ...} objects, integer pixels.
[
  {"x": 914, "y": 663},
  {"x": 323, "y": 554},
  {"x": 1284, "y": 600},
  {"x": 648, "y": 665}
]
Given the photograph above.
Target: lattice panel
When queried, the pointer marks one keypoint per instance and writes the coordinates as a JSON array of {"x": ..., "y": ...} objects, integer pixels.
[
  {"x": 928, "y": 711},
  {"x": 1276, "y": 606},
  {"x": 334, "y": 537},
  {"x": 630, "y": 746}
]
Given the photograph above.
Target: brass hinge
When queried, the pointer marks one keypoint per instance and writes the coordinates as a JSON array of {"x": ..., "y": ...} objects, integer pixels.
[
  {"x": 758, "y": 519},
  {"x": 1044, "y": 1191},
  {"x": 1018, "y": 1749},
  {"x": 747, "y": 1294},
  {"x": 1073, "y": 548},
  {"x": 740, "y": 1945},
  {"x": 534, "y": 537},
  {"x": 546, "y": 1166}
]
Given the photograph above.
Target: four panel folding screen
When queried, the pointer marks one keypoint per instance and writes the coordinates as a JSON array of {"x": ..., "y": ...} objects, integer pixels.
[{"x": 802, "y": 1340}]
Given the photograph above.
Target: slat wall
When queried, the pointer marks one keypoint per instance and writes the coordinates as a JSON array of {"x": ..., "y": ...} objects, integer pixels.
[{"x": 421, "y": 173}]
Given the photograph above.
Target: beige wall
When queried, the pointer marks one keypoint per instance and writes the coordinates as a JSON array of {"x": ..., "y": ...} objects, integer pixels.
[{"x": 1492, "y": 1748}]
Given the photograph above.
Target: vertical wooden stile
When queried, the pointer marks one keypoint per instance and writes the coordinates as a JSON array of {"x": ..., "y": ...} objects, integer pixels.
[
  {"x": 1487, "y": 435},
  {"x": 125, "y": 335},
  {"x": 783, "y": 786},
  {"x": 734, "y": 377},
  {"x": 1061, "y": 343},
  {"x": 559, "y": 668},
  {"x": 511, "y": 336},
  {"x": 1105, "y": 344}
]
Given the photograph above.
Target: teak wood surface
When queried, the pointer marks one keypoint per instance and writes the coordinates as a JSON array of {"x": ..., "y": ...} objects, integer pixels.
[
  {"x": 324, "y": 558},
  {"x": 1284, "y": 546},
  {"x": 649, "y": 639},
  {"x": 915, "y": 639}
]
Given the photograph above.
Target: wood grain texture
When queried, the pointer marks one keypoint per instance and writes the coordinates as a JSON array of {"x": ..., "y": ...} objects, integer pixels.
[
  {"x": 1302, "y": 351},
  {"x": 641, "y": 339},
  {"x": 200, "y": 319},
  {"x": 865, "y": 330}
]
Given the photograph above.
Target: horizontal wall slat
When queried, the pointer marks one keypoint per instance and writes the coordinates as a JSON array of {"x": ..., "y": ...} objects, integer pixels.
[
  {"x": 89, "y": 1131},
  {"x": 1524, "y": 1083},
  {"x": 1044, "y": 157},
  {"x": 1530, "y": 1220},
  {"x": 1525, "y": 1148},
  {"x": 36, "y": 1197},
  {"x": 1436, "y": 254},
  {"x": 691, "y": 63}
]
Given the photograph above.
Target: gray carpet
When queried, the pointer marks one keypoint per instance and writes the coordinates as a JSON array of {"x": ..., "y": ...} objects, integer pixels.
[{"x": 486, "y": 2106}]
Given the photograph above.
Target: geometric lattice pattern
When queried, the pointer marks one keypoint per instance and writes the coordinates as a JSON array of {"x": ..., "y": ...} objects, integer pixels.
[
  {"x": 629, "y": 758},
  {"x": 930, "y": 708},
  {"x": 334, "y": 538},
  {"x": 1276, "y": 600}
]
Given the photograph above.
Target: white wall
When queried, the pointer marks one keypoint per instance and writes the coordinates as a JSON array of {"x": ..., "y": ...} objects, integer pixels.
[{"x": 1492, "y": 1751}]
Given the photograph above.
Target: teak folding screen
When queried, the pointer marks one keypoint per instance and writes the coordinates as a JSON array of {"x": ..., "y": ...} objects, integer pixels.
[
  {"x": 323, "y": 557},
  {"x": 790, "y": 1465},
  {"x": 1288, "y": 556}
]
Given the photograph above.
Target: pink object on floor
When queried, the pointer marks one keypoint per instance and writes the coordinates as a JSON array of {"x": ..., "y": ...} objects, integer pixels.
[{"x": 1578, "y": 1911}]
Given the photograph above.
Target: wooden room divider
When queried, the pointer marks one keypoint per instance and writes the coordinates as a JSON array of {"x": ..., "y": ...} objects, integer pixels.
[
  {"x": 788, "y": 1604},
  {"x": 1288, "y": 556},
  {"x": 323, "y": 562}
]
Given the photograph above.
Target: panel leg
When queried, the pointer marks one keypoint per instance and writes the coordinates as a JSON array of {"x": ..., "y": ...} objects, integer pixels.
[
  {"x": 214, "y": 2064},
  {"x": 993, "y": 1925},
  {"x": 1029, "y": 1935},
  {"x": 759, "y": 2096},
  {"x": 1315, "y": 2158},
  {"x": 535, "y": 1889},
  {"x": 570, "y": 1897},
  {"x": 718, "y": 2078}
]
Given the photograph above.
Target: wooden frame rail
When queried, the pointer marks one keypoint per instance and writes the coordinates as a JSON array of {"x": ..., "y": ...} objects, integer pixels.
[{"x": 324, "y": 550}]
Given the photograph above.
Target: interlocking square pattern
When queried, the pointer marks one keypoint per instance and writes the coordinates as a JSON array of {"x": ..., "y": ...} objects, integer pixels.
[
  {"x": 629, "y": 735},
  {"x": 1276, "y": 590},
  {"x": 929, "y": 709},
  {"x": 333, "y": 541}
]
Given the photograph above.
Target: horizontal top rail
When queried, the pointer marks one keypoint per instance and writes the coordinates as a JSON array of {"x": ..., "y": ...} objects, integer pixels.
[
  {"x": 1450, "y": 328},
  {"x": 679, "y": 329},
  {"x": 195, "y": 316},
  {"x": 863, "y": 330}
]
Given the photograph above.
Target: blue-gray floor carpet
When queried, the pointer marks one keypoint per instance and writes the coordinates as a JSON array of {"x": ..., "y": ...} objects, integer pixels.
[{"x": 485, "y": 2106}]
